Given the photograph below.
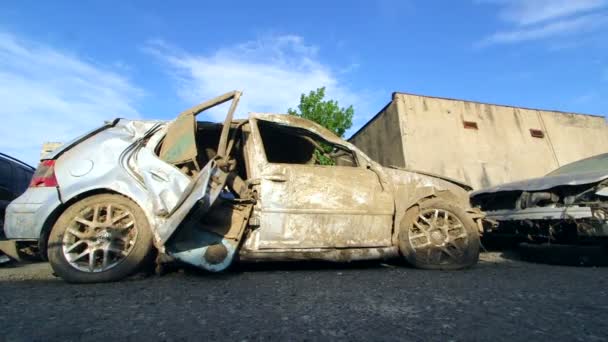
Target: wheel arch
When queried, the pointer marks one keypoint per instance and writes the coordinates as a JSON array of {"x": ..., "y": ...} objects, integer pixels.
[
  {"x": 60, "y": 209},
  {"x": 407, "y": 209}
]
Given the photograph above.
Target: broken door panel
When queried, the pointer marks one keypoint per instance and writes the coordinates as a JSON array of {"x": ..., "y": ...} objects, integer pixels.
[
  {"x": 184, "y": 236},
  {"x": 211, "y": 241},
  {"x": 164, "y": 183},
  {"x": 202, "y": 191},
  {"x": 308, "y": 206},
  {"x": 190, "y": 233}
]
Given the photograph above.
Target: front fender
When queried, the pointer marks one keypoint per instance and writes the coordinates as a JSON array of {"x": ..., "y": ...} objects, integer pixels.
[{"x": 411, "y": 188}]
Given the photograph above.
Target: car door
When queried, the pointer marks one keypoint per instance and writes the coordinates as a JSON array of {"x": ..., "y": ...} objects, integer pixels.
[
  {"x": 306, "y": 205},
  {"x": 180, "y": 206}
]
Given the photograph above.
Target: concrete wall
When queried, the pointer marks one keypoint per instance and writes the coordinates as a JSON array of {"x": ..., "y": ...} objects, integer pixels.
[
  {"x": 49, "y": 147},
  {"x": 575, "y": 136},
  {"x": 500, "y": 150},
  {"x": 380, "y": 138}
]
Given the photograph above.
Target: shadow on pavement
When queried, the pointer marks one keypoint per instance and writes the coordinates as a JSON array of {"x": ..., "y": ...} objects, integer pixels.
[
  {"x": 312, "y": 266},
  {"x": 551, "y": 254}
]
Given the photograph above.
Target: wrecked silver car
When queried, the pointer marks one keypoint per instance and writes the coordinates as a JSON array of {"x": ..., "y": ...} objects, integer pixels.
[
  {"x": 208, "y": 193},
  {"x": 568, "y": 206}
]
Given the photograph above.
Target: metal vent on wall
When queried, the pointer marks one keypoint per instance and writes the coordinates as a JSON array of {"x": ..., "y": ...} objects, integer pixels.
[
  {"x": 537, "y": 133},
  {"x": 470, "y": 125}
]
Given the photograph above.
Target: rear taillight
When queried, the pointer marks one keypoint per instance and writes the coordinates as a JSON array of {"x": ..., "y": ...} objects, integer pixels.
[{"x": 44, "y": 175}]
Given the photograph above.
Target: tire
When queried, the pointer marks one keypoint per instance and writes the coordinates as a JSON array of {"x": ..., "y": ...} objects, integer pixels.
[
  {"x": 426, "y": 242},
  {"x": 121, "y": 243}
]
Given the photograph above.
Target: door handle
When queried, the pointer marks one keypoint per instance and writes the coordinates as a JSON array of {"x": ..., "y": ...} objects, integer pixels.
[{"x": 276, "y": 178}]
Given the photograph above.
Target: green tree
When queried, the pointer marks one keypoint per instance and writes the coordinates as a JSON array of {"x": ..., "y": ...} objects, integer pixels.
[{"x": 327, "y": 114}]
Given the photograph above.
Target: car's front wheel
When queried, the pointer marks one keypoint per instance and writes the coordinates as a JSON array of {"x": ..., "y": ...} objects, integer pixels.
[
  {"x": 99, "y": 239},
  {"x": 439, "y": 234}
]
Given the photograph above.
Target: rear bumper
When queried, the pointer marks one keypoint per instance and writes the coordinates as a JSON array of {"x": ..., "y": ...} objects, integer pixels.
[{"x": 26, "y": 215}]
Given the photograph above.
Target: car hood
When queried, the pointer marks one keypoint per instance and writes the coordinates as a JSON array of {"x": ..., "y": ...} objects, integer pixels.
[
  {"x": 413, "y": 185},
  {"x": 461, "y": 184},
  {"x": 547, "y": 182}
]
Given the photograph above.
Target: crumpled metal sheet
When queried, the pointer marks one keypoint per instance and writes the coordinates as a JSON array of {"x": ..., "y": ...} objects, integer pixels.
[
  {"x": 202, "y": 189},
  {"x": 164, "y": 182}
]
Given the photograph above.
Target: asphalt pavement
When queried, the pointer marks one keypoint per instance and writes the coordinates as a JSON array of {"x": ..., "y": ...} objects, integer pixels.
[{"x": 501, "y": 299}]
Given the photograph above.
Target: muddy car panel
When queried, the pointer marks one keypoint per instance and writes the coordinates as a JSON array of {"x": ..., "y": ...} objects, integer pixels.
[
  {"x": 311, "y": 206},
  {"x": 411, "y": 187}
]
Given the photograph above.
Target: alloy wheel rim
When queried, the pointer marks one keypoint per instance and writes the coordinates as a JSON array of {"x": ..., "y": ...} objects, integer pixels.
[
  {"x": 99, "y": 237},
  {"x": 438, "y": 237}
]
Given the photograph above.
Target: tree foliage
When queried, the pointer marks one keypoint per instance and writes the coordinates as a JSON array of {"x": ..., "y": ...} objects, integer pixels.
[{"x": 326, "y": 113}]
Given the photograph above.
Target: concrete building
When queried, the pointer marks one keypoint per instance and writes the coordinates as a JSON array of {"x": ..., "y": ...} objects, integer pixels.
[
  {"x": 49, "y": 147},
  {"x": 478, "y": 143}
]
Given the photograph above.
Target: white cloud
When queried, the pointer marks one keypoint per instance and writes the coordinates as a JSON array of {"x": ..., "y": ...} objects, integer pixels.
[
  {"x": 527, "y": 12},
  {"x": 552, "y": 29},
  {"x": 543, "y": 19},
  {"x": 272, "y": 72},
  {"x": 49, "y": 95}
]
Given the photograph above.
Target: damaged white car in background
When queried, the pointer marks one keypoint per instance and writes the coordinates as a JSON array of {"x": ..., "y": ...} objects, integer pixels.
[{"x": 567, "y": 206}]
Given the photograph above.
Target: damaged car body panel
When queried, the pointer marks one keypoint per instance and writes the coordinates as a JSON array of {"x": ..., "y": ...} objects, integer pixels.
[
  {"x": 271, "y": 187},
  {"x": 412, "y": 187},
  {"x": 547, "y": 182},
  {"x": 80, "y": 173},
  {"x": 569, "y": 205},
  {"x": 350, "y": 209}
]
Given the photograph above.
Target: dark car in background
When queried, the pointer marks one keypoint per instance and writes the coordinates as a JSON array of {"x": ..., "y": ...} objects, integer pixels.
[
  {"x": 15, "y": 176},
  {"x": 567, "y": 206}
]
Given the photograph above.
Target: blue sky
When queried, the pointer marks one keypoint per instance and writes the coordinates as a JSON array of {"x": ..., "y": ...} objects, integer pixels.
[{"x": 67, "y": 66}]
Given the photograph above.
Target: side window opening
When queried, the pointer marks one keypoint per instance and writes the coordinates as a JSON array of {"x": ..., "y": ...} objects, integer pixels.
[
  {"x": 206, "y": 139},
  {"x": 290, "y": 145},
  {"x": 179, "y": 146}
]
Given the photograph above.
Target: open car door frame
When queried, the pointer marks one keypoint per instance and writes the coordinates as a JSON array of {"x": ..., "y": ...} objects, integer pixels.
[{"x": 181, "y": 235}]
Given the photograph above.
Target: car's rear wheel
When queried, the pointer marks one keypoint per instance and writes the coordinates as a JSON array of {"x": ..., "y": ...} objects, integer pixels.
[
  {"x": 99, "y": 239},
  {"x": 439, "y": 234}
]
